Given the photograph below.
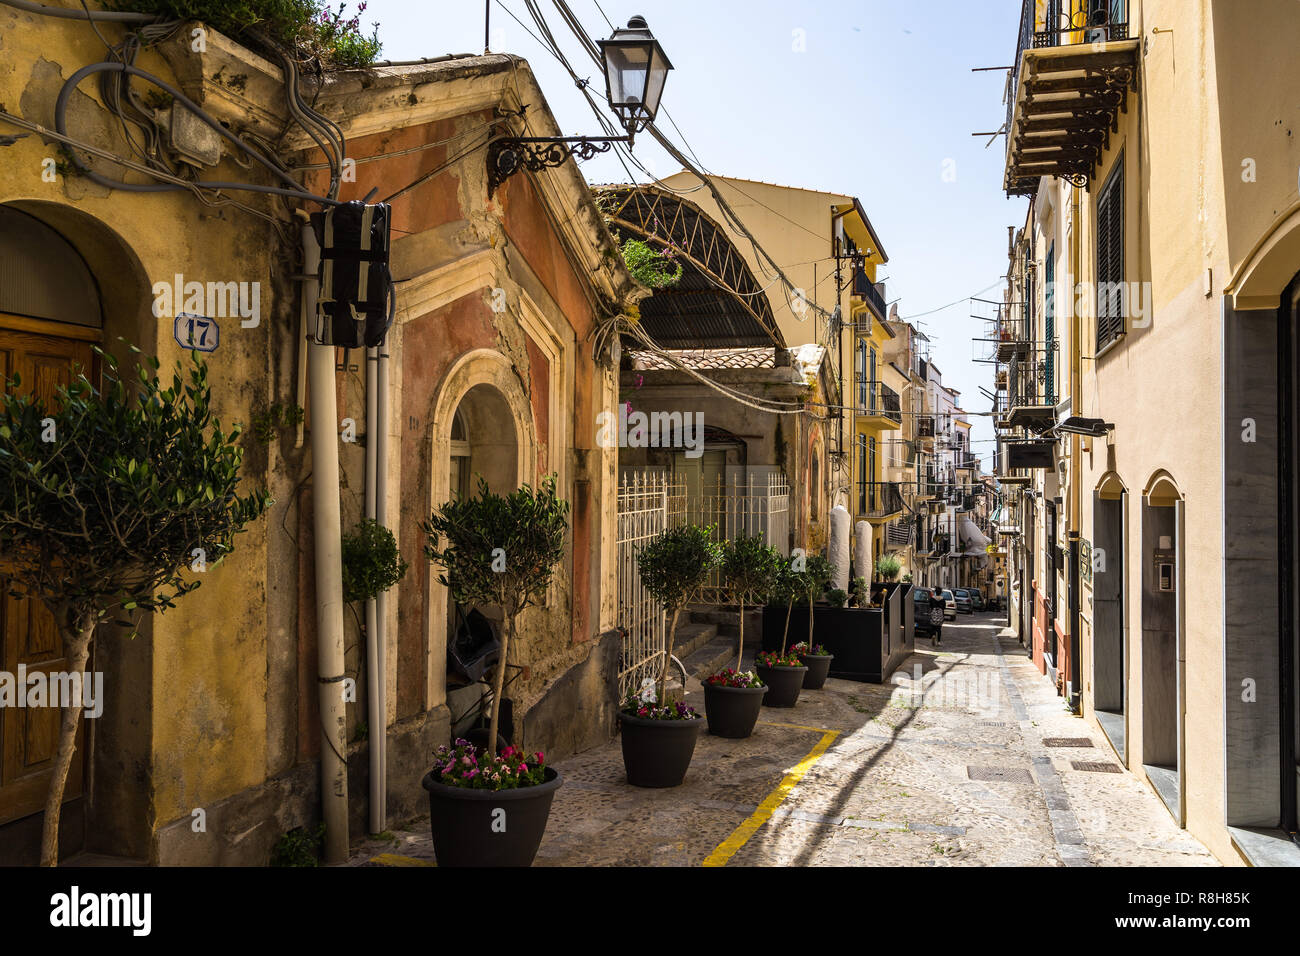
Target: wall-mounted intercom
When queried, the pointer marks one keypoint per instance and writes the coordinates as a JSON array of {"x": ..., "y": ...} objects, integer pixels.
[{"x": 1164, "y": 570}]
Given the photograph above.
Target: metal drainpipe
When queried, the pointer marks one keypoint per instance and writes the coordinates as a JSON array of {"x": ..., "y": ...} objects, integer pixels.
[
  {"x": 381, "y": 604},
  {"x": 374, "y": 722},
  {"x": 1076, "y": 472},
  {"x": 323, "y": 403}
]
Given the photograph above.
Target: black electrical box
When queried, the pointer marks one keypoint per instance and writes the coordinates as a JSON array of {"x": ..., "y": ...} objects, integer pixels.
[{"x": 355, "y": 306}]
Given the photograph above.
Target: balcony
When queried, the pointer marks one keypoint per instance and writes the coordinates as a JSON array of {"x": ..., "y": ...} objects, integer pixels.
[
  {"x": 1070, "y": 79},
  {"x": 879, "y": 501},
  {"x": 898, "y": 534},
  {"x": 879, "y": 407},
  {"x": 867, "y": 291},
  {"x": 1031, "y": 394}
]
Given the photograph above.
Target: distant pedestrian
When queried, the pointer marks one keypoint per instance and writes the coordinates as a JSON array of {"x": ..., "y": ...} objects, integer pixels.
[{"x": 936, "y": 602}]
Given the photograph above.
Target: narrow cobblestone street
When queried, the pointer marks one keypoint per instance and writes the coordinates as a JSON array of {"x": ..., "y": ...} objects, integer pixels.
[{"x": 977, "y": 764}]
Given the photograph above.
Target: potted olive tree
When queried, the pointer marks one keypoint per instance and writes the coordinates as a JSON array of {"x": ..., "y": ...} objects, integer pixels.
[
  {"x": 733, "y": 698},
  {"x": 750, "y": 568},
  {"x": 489, "y": 808},
  {"x": 106, "y": 496},
  {"x": 659, "y": 739}
]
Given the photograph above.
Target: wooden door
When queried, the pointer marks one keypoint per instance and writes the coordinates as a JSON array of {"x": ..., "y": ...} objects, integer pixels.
[{"x": 29, "y": 737}]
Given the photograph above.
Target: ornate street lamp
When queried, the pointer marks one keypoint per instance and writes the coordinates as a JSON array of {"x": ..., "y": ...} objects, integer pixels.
[{"x": 635, "y": 71}]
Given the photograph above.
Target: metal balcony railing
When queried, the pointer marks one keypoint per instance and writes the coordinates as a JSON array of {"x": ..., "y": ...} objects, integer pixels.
[
  {"x": 878, "y": 400},
  {"x": 1065, "y": 23},
  {"x": 867, "y": 291},
  {"x": 1028, "y": 383},
  {"x": 879, "y": 498}
]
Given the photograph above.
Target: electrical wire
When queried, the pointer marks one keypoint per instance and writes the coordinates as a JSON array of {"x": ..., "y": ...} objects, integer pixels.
[
  {"x": 102, "y": 16},
  {"x": 168, "y": 183}
]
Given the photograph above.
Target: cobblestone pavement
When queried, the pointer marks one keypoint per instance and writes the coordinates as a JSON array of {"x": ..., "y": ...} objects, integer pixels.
[{"x": 967, "y": 758}]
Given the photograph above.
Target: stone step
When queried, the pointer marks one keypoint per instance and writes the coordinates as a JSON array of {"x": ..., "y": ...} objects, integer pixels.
[
  {"x": 753, "y": 625},
  {"x": 711, "y": 614},
  {"x": 692, "y": 636},
  {"x": 711, "y": 658}
]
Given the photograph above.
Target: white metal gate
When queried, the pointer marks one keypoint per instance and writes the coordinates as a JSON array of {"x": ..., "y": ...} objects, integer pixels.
[
  {"x": 642, "y": 514},
  {"x": 651, "y": 501},
  {"x": 733, "y": 507}
]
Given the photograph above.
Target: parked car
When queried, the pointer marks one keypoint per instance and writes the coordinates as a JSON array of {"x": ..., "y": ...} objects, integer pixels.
[
  {"x": 949, "y": 605},
  {"x": 929, "y": 616},
  {"x": 976, "y": 599},
  {"x": 962, "y": 597}
]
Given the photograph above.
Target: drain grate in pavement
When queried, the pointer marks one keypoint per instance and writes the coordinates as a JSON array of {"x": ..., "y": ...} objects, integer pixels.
[
  {"x": 1096, "y": 766},
  {"x": 1066, "y": 742},
  {"x": 999, "y": 774},
  {"x": 993, "y": 723}
]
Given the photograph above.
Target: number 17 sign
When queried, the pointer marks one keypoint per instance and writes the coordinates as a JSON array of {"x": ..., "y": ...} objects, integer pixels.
[{"x": 197, "y": 332}]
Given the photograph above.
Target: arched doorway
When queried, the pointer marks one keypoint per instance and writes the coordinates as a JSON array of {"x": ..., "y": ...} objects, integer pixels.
[
  {"x": 1109, "y": 630},
  {"x": 1162, "y": 637},
  {"x": 50, "y": 317}
]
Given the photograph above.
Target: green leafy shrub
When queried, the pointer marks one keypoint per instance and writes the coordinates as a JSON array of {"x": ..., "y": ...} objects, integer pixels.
[
  {"x": 110, "y": 496},
  {"x": 887, "y": 567},
  {"x": 306, "y": 26},
  {"x": 299, "y": 847},
  {"x": 859, "y": 593},
  {"x": 658, "y": 270},
  {"x": 371, "y": 561},
  {"x": 837, "y": 597}
]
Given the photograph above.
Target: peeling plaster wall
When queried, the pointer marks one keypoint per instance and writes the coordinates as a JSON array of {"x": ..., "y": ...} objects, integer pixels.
[
  {"x": 190, "y": 702},
  {"x": 213, "y": 707}
]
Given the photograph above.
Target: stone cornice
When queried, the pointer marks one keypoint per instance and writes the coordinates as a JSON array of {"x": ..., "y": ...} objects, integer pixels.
[{"x": 246, "y": 92}]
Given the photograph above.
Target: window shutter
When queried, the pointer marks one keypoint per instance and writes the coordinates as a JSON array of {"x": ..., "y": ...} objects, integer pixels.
[{"x": 1110, "y": 258}]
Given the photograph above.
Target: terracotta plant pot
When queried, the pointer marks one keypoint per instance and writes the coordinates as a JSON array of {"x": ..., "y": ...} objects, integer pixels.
[
  {"x": 489, "y": 827},
  {"x": 732, "y": 711},
  {"x": 819, "y": 665},
  {"x": 783, "y": 684},
  {"x": 657, "y": 753}
]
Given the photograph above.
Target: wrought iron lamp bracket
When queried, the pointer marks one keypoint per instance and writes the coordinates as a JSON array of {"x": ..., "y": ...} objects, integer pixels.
[{"x": 506, "y": 156}]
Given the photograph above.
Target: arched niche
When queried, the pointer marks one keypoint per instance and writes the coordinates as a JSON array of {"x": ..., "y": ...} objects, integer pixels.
[
  {"x": 483, "y": 416},
  {"x": 1161, "y": 491}
]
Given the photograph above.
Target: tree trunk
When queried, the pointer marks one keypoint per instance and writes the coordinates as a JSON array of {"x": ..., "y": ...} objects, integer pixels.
[
  {"x": 810, "y": 623},
  {"x": 786, "y": 633},
  {"x": 740, "y": 649},
  {"x": 501, "y": 684},
  {"x": 76, "y": 645},
  {"x": 662, "y": 688}
]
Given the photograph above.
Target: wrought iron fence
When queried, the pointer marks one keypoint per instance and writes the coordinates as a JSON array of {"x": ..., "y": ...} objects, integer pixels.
[
  {"x": 642, "y": 514},
  {"x": 755, "y": 505},
  {"x": 650, "y": 502}
]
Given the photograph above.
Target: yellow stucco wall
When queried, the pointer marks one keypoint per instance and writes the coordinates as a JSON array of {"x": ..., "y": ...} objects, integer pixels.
[{"x": 209, "y": 653}]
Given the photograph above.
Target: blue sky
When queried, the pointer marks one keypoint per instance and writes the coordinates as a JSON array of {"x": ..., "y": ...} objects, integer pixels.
[{"x": 879, "y": 103}]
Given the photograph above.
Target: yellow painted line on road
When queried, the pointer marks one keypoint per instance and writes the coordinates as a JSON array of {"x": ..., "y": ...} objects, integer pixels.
[
  {"x": 729, "y": 847},
  {"x": 393, "y": 859}
]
